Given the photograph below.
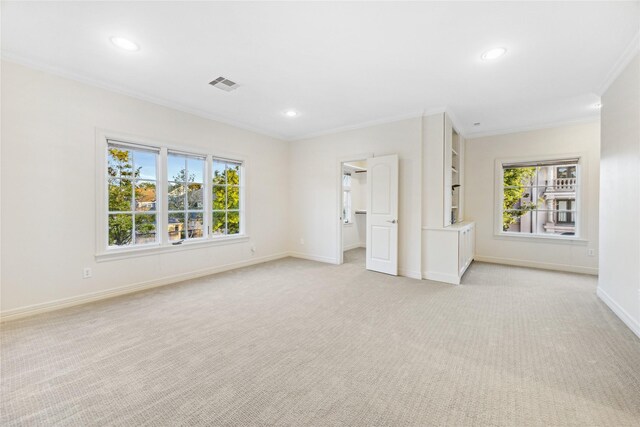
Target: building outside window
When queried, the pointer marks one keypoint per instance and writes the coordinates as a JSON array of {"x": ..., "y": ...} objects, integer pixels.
[{"x": 539, "y": 198}]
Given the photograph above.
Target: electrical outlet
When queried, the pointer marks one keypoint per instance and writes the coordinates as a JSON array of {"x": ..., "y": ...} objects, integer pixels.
[
  {"x": 86, "y": 273},
  {"x": 591, "y": 252},
  {"x": 301, "y": 241}
]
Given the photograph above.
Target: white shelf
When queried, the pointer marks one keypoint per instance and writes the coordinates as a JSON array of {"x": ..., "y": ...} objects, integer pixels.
[
  {"x": 454, "y": 152},
  {"x": 454, "y": 169}
]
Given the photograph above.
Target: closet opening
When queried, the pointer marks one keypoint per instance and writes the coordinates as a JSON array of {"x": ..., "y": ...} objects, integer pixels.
[{"x": 354, "y": 214}]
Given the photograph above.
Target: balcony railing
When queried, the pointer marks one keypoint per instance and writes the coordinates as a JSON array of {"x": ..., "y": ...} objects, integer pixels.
[{"x": 561, "y": 184}]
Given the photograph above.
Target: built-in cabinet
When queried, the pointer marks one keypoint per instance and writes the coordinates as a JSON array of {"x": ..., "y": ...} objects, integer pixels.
[
  {"x": 447, "y": 241},
  {"x": 449, "y": 252}
]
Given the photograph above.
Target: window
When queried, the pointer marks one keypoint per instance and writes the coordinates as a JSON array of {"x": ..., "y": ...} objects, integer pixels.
[
  {"x": 185, "y": 177},
  {"x": 347, "y": 216},
  {"x": 132, "y": 207},
  {"x": 226, "y": 200},
  {"x": 539, "y": 198},
  {"x": 150, "y": 188}
]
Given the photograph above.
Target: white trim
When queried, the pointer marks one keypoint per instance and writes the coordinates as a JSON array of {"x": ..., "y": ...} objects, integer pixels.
[
  {"x": 627, "y": 56},
  {"x": 127, "y": 289},
  {"x": 554, "y": 237},
  {"x": 593, "y": 117},
  {"x": 452, "y": 279},
  {"x": 539, "y": 265},
  {"x": 361, "y": 125},
  {"x": 118, "y": 254},
  {"x": 20, "y": 60},
  {"x": 409, "y": 274},
  {"x": 622, "y": 314},
  {"x": 318, "y": 258}
]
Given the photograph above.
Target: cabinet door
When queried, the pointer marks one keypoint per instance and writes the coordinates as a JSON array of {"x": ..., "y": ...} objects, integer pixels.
[{"x": 447, "y": 178}]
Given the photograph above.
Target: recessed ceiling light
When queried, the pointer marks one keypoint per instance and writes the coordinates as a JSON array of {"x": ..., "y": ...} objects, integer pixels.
[
  {"x": 597, "y": 106},
  {"x": 290, "y": 113},
  {"x": 494, "y": 53},
  {"x": 125, "y": 44}
]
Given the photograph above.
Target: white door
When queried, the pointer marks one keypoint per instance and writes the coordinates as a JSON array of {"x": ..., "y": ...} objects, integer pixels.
[{"x": 382, "y": 214}]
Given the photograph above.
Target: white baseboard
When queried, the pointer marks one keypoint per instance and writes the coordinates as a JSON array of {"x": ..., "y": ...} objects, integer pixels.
[
  {"x": 410, "y": 274},
  {"x": 310, "y": 257},
  {"x": 30, "y": 310},
  {"x": 632, "y": 323},
  {"x": 535, "y": 264},
  {"x": 441, "y": 277}
]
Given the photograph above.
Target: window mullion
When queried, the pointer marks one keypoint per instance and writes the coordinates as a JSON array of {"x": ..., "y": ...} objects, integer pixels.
[
  {"x": 207, "y": 197},
  {"x": 162, "y": 207}
]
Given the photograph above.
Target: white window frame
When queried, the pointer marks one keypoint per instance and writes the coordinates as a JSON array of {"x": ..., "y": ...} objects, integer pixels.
[
  {"x": 581, "y": 189},
  {"x": 105, "y": 253}
]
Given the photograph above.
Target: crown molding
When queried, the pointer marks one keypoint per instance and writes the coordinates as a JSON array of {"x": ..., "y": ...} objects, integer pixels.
[
  {"x": 632, "y": 49},
  {"x": 20, "y": 60},
  {"x": 361, "y": 125},
  {"x": 529, "y": 128}
]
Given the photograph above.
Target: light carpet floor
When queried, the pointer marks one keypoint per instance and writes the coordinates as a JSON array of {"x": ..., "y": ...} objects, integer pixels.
[{"x": 298, "y": 343}]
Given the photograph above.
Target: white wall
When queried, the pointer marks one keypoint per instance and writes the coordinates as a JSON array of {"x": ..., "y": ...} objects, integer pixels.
[
  {"x": 48, "y": 190},
  {"x": 314, "y": 181},
  {"x": 480, "y": 205},
  {"x": 619, "y": 282}
]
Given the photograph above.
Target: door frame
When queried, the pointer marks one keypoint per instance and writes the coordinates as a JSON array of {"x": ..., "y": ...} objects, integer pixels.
[{"x": 338, "y": 211}]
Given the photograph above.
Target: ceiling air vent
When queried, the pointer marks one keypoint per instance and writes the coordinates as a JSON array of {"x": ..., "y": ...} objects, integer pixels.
[{"x": 224, "y": 84}]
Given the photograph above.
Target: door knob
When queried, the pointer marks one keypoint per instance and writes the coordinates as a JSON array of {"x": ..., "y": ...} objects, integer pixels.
[{"x": 393, "y": 221}]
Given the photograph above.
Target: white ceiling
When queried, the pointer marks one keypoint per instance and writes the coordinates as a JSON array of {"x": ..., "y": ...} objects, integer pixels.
[{"x": 339, "y": 65}]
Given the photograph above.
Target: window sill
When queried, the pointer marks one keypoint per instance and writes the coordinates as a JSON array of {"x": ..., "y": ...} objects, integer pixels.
[
  {"x": 126, "y": 253},
  {"x": 542, "y": 238}
]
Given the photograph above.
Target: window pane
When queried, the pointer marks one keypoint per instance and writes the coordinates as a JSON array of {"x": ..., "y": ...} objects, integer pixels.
[
  {"x": 120, "y": 162},
  {"x": 516, "y": 221},
  {"x": 176, "y": 227},
  {"x": 176, "y": 196},
  {"x": 233, "y": 197},
  {"x": 120, "y": 195},
  {"x": 195, "y": 225},
  {"x": 218, "y": 225},
  {"x": 196, "y": 169},
  {"x": 520, "y": 198},
  {"x": 145, "y": 228},
  {"x": 144, "y": 164},
  {"x": 218, "y": 172},
  {"x": 233, "y": 222},
  {"x": 120, "y": 229},
  {"x": 176, "y": 168},
  {"x": 515, "y": 177},
  {"x": 557, "y": 222},
  {"x": 195, "y": 196},
  {"x": 219, "y": 197},
  {"x": 233, "y": 174},
  {"x": 145, "y": 196}
]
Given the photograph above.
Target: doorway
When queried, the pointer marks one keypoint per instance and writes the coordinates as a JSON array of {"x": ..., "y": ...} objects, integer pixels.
[{"x": 354, "y": 212}]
